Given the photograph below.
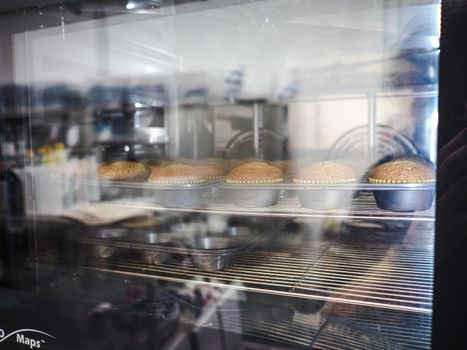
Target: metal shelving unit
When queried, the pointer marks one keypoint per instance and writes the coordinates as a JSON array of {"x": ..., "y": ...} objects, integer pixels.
[
  {"x": 406, "y": 330},
  {"x": 362, "y": 207},
  {"x": 387, "y": 276},
  {"x": 338, "y": 327}
]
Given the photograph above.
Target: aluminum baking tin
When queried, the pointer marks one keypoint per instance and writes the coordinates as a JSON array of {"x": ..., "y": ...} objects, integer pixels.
[
  {"x": 395, "y": 197},
  {"x": 168, "y": 195},
  {"x": 207, "y": 251},
  {"x": 405, "y": 199},
  {"x": 101, "y": 250}
]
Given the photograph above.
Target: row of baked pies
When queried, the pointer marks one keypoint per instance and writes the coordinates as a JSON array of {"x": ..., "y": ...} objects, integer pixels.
[{"x": 255, "y": 171}]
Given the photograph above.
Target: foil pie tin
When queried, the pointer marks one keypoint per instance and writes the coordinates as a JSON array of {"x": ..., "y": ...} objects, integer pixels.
[
  {"x": 404, "y": 200},
  {"x": 178, "y": 198},
  {"x": 317, "y": 198},
  {"x": 149, "y": 255},
  {"x": 184, "y": 195},
  {"x": 253, "y": 194},
  {"x": 254, "y": 197},
  {"x": 207, "y": 248},
  {"x": 104, "y": 234}
]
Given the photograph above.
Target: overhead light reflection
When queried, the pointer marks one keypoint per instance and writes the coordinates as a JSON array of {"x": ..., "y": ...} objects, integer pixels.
[{"x": 130, "y": 5}]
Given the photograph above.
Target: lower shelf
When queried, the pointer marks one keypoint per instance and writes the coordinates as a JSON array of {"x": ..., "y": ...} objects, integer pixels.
[
  {"x": 396, "y": 276},
  {"x": 368, "y": 328},
  {"x": 343, "y": 328}
]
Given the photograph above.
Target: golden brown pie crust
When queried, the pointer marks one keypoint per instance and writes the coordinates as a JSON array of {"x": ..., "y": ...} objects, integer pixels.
[
  {"x": 123, "y": 171},
  {"x": 176, "y": 174},
  {"x": 402, "y": 171},
  {"x": 325, "y": 172},
  {"x": 255, "y": 172}
]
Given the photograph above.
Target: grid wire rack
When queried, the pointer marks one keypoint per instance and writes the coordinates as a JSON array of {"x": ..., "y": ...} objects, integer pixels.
[{"x": 390, "y": 276}]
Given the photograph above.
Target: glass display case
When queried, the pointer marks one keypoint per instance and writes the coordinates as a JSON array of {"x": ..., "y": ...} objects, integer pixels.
[{"x": 221, "y": 174}]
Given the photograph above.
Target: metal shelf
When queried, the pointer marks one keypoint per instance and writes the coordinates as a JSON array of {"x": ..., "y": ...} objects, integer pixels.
[
  {"x": 278, "y": 329},
  {"x": 362, "y": 207},
  {"x": 342, "y": 327},
  {"x": 393, "y": 330},
  {"x": 388, "y": 276}
]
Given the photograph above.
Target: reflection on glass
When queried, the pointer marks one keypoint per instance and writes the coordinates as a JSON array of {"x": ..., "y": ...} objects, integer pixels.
[{"x": 227, "y": 156}]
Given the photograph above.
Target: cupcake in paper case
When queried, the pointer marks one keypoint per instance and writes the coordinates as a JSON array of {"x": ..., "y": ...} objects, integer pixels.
[
  {"x": 255, "y": 173},
  {"x": 123, "y": 171},
  {"x": 404, "y": 171},
  {"x": 176, "y": 174},
  {"x": 328, "y": 172}
]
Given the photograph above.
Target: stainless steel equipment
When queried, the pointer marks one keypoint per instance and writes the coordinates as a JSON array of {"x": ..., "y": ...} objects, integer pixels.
[
  {"x": 207, "y": 251},
  {"x": 250, "y": 128},
  {"x": 196, "y": 262}
]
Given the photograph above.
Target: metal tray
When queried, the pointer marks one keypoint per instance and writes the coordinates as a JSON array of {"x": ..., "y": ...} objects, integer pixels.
[
  {"x": 206, "y": 250},
  {"x": 353, "y": 186},
  {"x": 99, "y": 249},
  {"x": 152, "y": 238},
  {"x": 110, "y": 190},
  {"x": 169, "y": 195},
  {"x": 394, "y": 197}
]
